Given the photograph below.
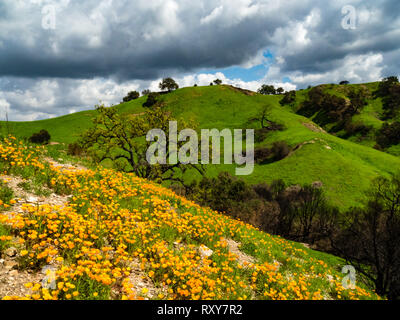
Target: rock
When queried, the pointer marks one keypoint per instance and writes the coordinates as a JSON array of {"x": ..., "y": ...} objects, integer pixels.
[
  {"x": 13, "y": 273},
  {"x": 11, "y": 252},
  {"x": 328, "y": 147},
  {"x": 32, "y": 200},
  {"x": 9, "y": 264},
  {"x": 205, "y": 252},
  {"x": 1, "y": 261}
]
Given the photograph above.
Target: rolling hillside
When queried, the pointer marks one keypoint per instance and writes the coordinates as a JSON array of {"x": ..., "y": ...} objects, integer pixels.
[
  {"x": 111, "y": 235},
  {"x": 344, "y": 167}
]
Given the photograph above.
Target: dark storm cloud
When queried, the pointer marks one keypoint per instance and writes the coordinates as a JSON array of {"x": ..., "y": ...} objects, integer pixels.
[
  {"x": 135, "y": 40},
  {"x": 147, "y": 39},
  {"x": 101, "y": 48}
]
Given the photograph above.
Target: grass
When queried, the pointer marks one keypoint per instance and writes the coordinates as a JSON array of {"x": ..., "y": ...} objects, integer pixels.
[
  {"x": 346, "y": 170},
  {"x": 116, "y": 218},
  {"x": 6, "y": 195}
]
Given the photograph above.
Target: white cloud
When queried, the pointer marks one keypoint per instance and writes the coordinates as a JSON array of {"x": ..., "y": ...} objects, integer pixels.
[{"x": 355, "y": 68}]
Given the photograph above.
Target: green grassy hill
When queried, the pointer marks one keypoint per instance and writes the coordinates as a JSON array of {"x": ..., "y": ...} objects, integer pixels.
[{"x": 344, "y": 167}]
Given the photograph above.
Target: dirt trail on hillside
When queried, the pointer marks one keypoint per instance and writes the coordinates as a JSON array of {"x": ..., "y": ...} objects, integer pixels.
[{"x": 313, "y": 127}]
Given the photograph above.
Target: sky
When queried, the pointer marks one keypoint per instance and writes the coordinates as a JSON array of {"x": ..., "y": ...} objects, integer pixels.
[{"x": 64, "y": 56}]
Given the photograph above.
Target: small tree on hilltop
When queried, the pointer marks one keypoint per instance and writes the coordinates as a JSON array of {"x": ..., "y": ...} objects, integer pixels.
[
  {"x": 267, "y": 89},
  {"x": 169, "y": 84},
  {"x": 218, "y": 81}
]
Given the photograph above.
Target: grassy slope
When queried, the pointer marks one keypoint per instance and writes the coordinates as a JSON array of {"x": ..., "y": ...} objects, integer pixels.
[
  {"x": 346, "y": 169},
  {"x": 131, "y": 217}
]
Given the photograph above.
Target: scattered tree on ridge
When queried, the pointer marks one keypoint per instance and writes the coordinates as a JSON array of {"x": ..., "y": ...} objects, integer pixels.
[
  {"x": 169, "y": 84},
  {"x": 267, "y": 89}
]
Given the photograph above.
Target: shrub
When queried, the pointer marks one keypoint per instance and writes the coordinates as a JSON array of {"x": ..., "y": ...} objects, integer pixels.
[
  {"x": 42, "y": 137},
  {"x": 357, "y": 128},
  {"x": 262, "y": 154},
  {"x": 131, "y": 96},
  {"x": 389, "y": 134},
  {"x": 75, "y": 149},
  {"x": 260, "y": 134},
  {"x": 389, "y": 91},
  {"x": 152, "y": 99},
  {"x": 288, "y": 98},
  {"x": 370, "y": 237},
  {"x": 280, "y": 150}
]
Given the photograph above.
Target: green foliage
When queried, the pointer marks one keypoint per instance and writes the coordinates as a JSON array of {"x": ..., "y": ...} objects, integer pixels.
[
  {"x": 370, "y": 237},
  {"x": 132, "y": 95},
  {"x": 288, "y": 98},
  {"x": 152, "y": 99},
  {"x": 278, "y": 151},
  {"x": 223, "y": 107},
  {"x": 6, "y": 194},
  {"x": 75, "y": 149},
  {"x": 169, "y": 84},
  {"x": 389, "y": 135},
  {"x": 267, "y": 89},
  {"x": 41, "y": 137},
  {"x": 122, "y": 140},
  {"x": 4, "y": 244},
  {"x": 298, "y": 213}
]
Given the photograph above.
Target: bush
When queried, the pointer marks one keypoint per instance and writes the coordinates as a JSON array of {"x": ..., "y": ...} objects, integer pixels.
[
  {"x": 370, "y": 237},
  {"x": 297, "y": 213},
  {"x": 152, "y": 99},
  {"x": 389, "y": 134},
  {"x": 262, "y": 154},
  {"x": 42, "y": 137},
  {"x": 260, "y": 134},
  {"x": 389, "y": 91},
  {"x": 329, "y": 108},
  {"x": 75, "y": 149},
  {"x": 357, "y": 128},
  {"x": 131, "y": 96},
  {"x": 280, "y": 150},
  {"x": 288, "y": 98}
]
